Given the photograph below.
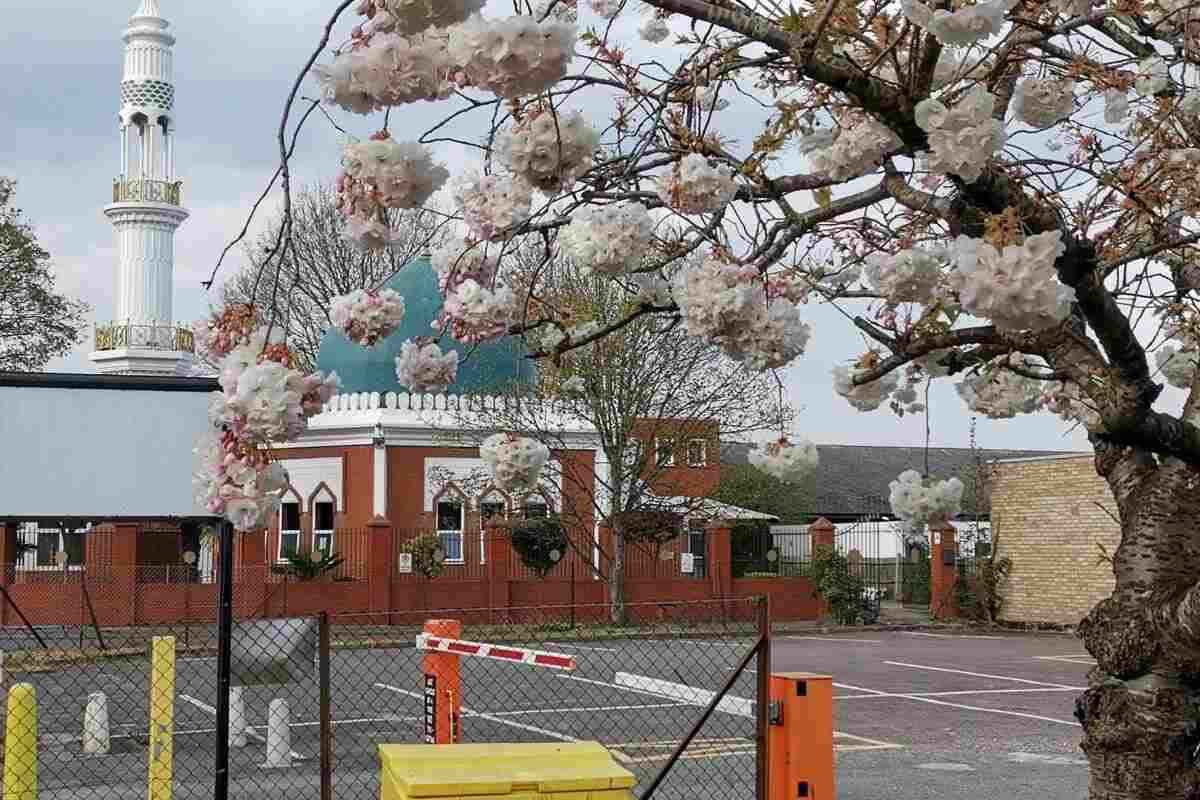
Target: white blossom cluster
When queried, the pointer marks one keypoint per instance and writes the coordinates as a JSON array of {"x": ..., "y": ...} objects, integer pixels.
[
  {"x": 242, "y": 489},
  {"x": 606, "y": 8},
  {"x": 999, "y": 393},
  {"x": 388, "y": 70},
  {"x": 491, "y": 204},
  {"x": 696, "y": 187},
  {"x": 423, "y": 368},
  {"x": 367, "y": 317},
  {"x": 1177, "y": 364},
  {"x": 654, "y": 29},
  {"x": 1041, "y": 102},
  {"x": 574, "y": 387},
  {"x": 262, "y": 401},
  {"x": 918, "y": 504},
  {"x": 458, "y": 259},
  {"x": 909, "y": 276},
  {"x": 1153, "y": 76},
  {"x": 1016, "y": 288},
  {"x": 950, "y": 67},
  {"x": 549, "y": 151},
  {"x": 515, "y": 462},
  {"x": 413, "y": 16},
  {"x": 858, "y": 147},
  {"x": 867, "y": 396},
  {"x": 511, "y": 57},
  {"x": 652, "y": 290},
  {"x": 962, "y": 138},
  {"x": 565, "y": 10},
  {"x": 963, "y": 27},
  {"x": 475, "y": 313},
  {"x": 727, "y": 305},
  {"x": 785, "y": 460},
  {"x": 384, "y": 172},
  {"x": 611, "y": 239},
  {"x": 1071, "y": 405}
]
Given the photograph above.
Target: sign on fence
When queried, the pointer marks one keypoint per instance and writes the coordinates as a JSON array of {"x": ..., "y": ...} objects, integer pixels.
[
  {"x": 687, "y": 563},
  {"x": 273, "y": 651},
  {"x": 404, "y": 564}
]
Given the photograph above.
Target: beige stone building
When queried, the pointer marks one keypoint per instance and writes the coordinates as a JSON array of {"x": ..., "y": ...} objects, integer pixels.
[{"x": 1054, "y": 517}]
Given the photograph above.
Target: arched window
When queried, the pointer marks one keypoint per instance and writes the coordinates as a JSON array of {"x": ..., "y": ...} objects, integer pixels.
[
  {"x": 289, "y": 525},
  {"x": 450, "y": 511},
  {"x": 324, "y": 507},
  {"x": 493, "y": 504}
]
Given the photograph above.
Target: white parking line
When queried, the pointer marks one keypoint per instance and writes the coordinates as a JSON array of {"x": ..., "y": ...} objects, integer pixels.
[
  {"x": 960, "y": 693},
  {"x": 253, "y": 734},
  {"x": 467, "y": 712},
  {"x": 528, "y": 711},
  {"x": 977, "y": 674},
  {"x": 931, "y": 701},
  {"x": 1082, "y": 659},
  {"x": 692, "y": 695},
  {"x": 831, "y": 639},
  {"x": 951, "y": 635},
  {"x": 581, "y": 647},
  {"x": 595, "y": 682}
]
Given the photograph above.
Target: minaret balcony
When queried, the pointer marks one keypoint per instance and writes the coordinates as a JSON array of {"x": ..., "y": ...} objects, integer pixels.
[
  {"x": 142, "y": 190},
  {"x": 126, "y": 335}
]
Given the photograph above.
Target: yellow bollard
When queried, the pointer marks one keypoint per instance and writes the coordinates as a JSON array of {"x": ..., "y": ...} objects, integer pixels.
[
  {"x": 162, "y": 717},
  {"x": 20, "y": 744}
]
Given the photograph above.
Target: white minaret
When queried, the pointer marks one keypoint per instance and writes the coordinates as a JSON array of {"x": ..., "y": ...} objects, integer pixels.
[{"x": 143, "y": 338}]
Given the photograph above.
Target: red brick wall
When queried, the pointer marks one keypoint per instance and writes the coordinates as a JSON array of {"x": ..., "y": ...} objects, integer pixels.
[{"x": 681, "y": 480}]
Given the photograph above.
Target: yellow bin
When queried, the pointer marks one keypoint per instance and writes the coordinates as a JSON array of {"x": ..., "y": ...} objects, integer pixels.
[{"x": 568, "y": 771}]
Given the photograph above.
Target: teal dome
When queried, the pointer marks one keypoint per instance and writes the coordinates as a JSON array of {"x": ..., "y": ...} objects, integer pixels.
[{"x": 487, "y": 368}]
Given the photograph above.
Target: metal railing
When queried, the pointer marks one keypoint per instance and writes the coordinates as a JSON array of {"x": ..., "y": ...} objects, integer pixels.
[
  {"x": 147, "y": 337},
  {"x": 143, "y": 190}
]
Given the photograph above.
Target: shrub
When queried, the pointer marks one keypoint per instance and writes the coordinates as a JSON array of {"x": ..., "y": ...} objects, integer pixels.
[
  {"x": 647, "y": 525},
  {"x": 426, "y": 549},
  {"x": 539, "y": 543},
  {"x": 978, "y": 596},
  {"x": 310, "y": 566},
  {"x": 843, "y": 592}
]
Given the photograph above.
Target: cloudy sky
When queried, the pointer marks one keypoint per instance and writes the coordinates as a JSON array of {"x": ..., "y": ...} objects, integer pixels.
[{"x": 234, "y": 63}]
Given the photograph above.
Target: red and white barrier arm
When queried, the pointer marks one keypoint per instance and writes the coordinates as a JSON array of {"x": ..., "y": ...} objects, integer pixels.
[{"x": 514, "y": 655}]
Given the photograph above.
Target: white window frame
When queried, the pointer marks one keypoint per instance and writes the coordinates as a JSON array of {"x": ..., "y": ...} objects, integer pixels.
[
  {"x": 31, "y": 534},
  {"x": 490, "y": 497},
  {"x": 451, "y": 495},
  {"x": 659, "y": 461},
  {"x": 324, "y": 496},
  {"x": 703, "y": 462},
  {"x": 280, "y": 558}
]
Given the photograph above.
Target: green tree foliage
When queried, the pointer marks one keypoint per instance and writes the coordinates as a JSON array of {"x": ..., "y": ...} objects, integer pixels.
[
  {"x": 36, "y": 323},
  {"x": 540, "y": 543},
  {"x": 743, "y": 485}
]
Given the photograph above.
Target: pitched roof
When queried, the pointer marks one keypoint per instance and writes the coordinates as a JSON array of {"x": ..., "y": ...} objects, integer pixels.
[{"x": 852, "y": 480}]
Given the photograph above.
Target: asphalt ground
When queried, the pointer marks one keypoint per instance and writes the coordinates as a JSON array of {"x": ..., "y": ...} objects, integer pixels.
[{"x": 918, "y": 714}]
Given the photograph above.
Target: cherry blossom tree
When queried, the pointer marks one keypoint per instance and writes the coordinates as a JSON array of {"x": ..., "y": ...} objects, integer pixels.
[{"x": 1000, "y": 193}]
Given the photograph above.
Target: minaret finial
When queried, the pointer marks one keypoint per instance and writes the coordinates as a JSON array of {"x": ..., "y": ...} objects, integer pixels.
[{"x": 148, "y": 8}]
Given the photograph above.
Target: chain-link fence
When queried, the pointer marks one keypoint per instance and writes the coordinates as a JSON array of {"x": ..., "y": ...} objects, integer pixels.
[{"x": 313, "y": 697}]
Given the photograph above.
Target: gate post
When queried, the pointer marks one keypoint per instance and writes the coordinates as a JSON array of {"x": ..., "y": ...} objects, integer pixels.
[
  {"x": 821, "y": 533},
  {"x": 800, "y": 737},
  {"x": 943, "y": 571},
  {"x": 381, "y": 559}
]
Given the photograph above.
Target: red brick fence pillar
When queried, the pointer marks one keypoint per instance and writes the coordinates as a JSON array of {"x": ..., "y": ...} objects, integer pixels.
[{"x": 943, "y": 571}]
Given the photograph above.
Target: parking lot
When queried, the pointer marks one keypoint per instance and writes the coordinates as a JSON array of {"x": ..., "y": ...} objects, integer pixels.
[{"x": 927, "y": 714}]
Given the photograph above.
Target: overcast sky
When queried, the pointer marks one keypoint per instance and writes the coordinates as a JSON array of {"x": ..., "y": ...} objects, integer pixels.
[{"x": 234, "y": 63}]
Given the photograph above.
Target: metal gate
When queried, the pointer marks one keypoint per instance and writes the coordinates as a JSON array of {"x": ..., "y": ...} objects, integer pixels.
[{"x": 891, "y": 563}]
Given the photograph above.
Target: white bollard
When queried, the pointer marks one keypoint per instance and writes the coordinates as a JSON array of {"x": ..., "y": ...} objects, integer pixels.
[
  {"x": 279, "y": 735},
  {"x": 237, "y": 717},
  {"x": 95, "y": 725}
]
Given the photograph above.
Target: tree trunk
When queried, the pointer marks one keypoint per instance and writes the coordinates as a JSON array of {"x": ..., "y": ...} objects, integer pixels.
[
  {"x": 1141, "y": 711},
  {"x": 616, "y": 579}
]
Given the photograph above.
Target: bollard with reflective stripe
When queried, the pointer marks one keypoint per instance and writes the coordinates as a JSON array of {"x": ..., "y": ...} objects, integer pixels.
[
  {"x": 162, "y": 718},
  {"x": 20, "y": 744},
  {"x": 95, "y": 725},
  {"x": 443, "y": 690}
]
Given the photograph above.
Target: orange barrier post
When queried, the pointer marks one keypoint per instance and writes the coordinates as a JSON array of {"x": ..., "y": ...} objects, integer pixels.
[
  {"x": 800, "y": 737},
  {"x": 443, "y": 690}
]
